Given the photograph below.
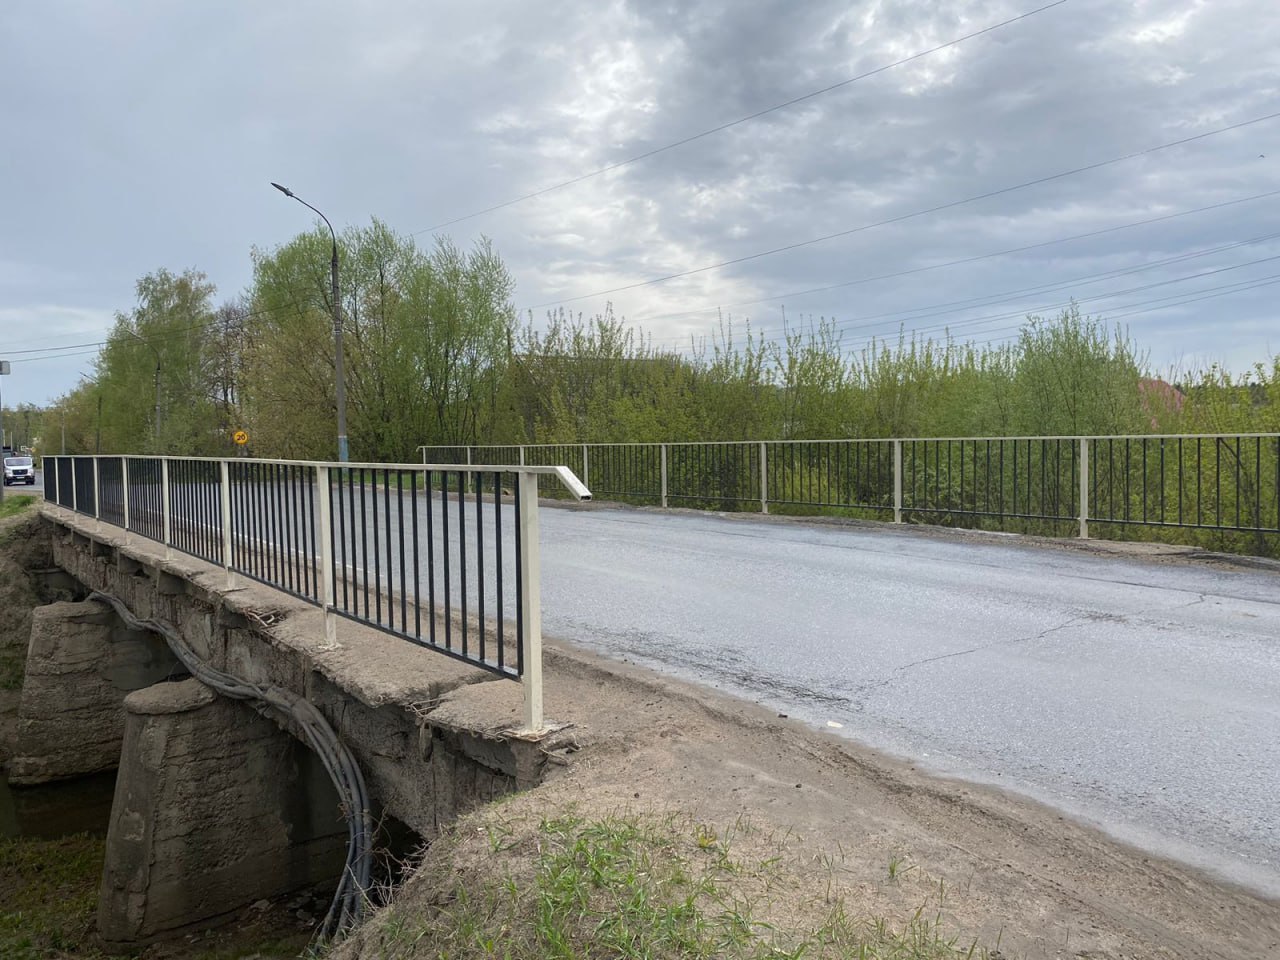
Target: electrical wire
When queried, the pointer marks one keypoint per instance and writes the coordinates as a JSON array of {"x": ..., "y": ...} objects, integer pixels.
[
  {"x": 950, "y": 205},
  {"x": 733, "y": 123},
  {"x": 351, "y": 897},
  {"x": 1003, "y": 296},
  {"x": 1157, "y": 303},
  {"x": 682, "y": 314}
]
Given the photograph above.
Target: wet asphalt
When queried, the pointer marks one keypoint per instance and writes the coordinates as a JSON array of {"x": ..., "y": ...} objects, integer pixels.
[{"x": 1137, "y": 695}]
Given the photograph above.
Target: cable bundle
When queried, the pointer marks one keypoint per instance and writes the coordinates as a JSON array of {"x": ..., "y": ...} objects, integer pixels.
[{"x": 350, "y": 899}]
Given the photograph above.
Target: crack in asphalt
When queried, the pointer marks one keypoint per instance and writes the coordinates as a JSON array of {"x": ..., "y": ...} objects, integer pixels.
[
  {"x": 900, "y": 670},
  {"x": 1079, "y": 618}
]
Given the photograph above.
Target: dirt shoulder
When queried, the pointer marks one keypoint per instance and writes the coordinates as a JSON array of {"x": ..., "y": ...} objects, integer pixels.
[{"x": 872, "y": 833}]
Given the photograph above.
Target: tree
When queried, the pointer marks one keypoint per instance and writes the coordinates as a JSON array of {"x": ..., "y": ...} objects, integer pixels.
[
  {"x": 158, "y": 362},
  {"x": 427, "y": 339}
]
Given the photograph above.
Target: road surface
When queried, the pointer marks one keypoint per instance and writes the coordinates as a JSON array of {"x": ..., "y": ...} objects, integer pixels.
[{"x": 1143, "y": 696}]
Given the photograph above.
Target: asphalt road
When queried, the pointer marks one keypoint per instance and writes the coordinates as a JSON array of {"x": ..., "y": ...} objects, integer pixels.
[
  {"x": 1138, "y": 695},
  {"x": 19, "y": 489}
]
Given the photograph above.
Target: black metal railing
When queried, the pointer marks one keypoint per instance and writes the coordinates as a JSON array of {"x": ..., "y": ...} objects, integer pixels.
[
  {"x": 446, "y": 558},
  {"x": 145, "y": 495},
  {"x": 407, "y": 542},
  {"x": 1223, "y": 488},
  {"x": 274, "y": 528},
  {"x": 84, "y": 486},
  {"x": 840, "y": 474},
  {"x": 1228, "y": 483},
  {"x": 1015, "y": 478}
]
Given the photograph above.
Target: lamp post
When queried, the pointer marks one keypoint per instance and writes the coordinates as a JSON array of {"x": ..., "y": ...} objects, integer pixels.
[
  {"x": 340, "y": 386},
  {"x": 152, "y": 348}
]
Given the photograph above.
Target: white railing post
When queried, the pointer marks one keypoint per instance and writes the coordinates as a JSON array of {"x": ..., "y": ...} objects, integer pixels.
[
  {"x": 586, "y": 468},
  {"x": 124, "y": 483},
  {"x": 664, "y": 475},
  {"x": 325, "y": 533},
  {"x": 1084, "y": 488},
  {"x": 97, "y": 497},
  {"x": 224, "y": 471},
  {"x": 764, "y": 479},
  {"x": 165, "y": 513},
  {"x": 522, "y": 456},
  {"x": 530, "y": 603},
  {"x": 75, "y": 498},
  {"x": 897, "y": 481},
  {"x": 424, "y": 454}
]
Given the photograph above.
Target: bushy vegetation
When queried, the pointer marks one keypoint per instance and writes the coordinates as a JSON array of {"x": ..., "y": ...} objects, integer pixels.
[{"x": 436, "y": 355}]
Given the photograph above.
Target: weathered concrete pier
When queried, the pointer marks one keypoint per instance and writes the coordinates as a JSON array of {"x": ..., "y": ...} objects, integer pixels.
[{"x": 217, "y": 805}]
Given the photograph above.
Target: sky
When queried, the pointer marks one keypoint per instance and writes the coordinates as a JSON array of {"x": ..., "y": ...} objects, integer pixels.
[{"x": 957, "y": 192}]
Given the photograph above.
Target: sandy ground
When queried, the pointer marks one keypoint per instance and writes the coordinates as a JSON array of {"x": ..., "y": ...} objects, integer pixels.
[{"x": 1015, "y": 873}]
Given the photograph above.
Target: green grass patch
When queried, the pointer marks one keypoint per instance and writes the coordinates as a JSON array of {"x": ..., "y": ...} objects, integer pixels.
[
  {"x": 12, "y": 505},
  {"x": 49, "y": 903},
  {"x": 50, "y": 895},
  {"x": 633, "y": 888}
]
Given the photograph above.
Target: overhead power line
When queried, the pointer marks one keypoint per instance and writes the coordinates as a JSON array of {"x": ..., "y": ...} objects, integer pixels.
[
  {"x": 733, "y": 123},
  {"x": 1012, "y": 296},
  {"x": 1022, "y": 312},
  {"x": 955, "y": 263},
  {"x": 1166, "y": 302},
  {"x": 918, "y": 213}
]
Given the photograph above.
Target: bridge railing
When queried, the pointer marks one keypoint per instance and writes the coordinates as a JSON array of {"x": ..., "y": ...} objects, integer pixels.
[
  {"x": 443, "y": 555},
  {"x": 1222, "y": 483}
]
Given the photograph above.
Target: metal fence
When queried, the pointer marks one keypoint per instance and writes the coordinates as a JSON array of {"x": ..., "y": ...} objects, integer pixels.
[
  {"x": 1227, "y": 483},
  {"x": 443, "y": 555}
]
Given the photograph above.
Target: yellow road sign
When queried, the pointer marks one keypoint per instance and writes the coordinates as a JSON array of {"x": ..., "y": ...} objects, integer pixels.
[{"x": 240, "y": 437}]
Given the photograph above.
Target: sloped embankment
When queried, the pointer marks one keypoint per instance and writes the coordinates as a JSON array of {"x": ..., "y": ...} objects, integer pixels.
[{"x": 675, "y": 822}]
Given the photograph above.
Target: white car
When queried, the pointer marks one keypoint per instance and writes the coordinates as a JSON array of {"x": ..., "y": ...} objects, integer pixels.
[{"x": 19, "y": 470}]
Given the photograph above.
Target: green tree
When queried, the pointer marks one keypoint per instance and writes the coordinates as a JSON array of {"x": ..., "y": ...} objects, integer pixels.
[
  {"x": 158, "y": 362},
  {"x": 426, "y": 335}
]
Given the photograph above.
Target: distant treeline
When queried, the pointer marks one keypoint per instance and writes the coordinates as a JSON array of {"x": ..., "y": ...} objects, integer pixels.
[{"x": 435, "y": 353}]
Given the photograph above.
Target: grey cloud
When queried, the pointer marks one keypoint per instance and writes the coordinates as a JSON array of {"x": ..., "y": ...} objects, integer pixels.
[{"x": 145, "y": 136}]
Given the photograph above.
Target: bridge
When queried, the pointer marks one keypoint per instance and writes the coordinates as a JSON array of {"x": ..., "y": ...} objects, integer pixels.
[{"x": 1021, "y": 663}]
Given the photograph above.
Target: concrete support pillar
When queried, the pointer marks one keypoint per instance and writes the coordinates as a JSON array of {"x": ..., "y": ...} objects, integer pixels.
[
  {"x": 81, "y": 664},
  {"x": 215, "y": 807}
]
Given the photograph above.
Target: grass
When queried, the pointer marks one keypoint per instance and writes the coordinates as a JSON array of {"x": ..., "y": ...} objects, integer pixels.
[
  {"x": 12, "y": 505},
  {"x": 50, "y": 895},
  {"x": 634, "y": 888},
  {"x": 49, "y": 902}
]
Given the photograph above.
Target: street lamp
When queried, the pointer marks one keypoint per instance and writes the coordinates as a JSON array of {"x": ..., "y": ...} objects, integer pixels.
[
  {"x": 340, "y": 381},
  {"x": 152, "y": 348}
]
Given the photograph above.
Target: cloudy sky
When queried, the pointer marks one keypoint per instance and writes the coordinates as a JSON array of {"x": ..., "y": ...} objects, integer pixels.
[{"x": 144, "y": 135}]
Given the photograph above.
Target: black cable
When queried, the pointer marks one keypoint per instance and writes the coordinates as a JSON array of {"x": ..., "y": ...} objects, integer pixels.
[
  {"x": 990, "y": 299},
  {"x": 951, "y": 263},
  {"x": 733, "y": 123},
  {"x": 351, "y": 896},
  {"x": 910, "y": 216}
]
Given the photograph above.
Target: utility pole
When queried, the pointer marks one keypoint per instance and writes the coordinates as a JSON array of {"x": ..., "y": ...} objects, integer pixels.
[
  {"x": 340, "y": 382},
  {"x": 152, "y": 348}
]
